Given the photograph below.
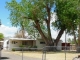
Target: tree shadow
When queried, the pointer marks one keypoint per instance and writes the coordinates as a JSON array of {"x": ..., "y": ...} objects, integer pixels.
[{"x": 4, "y": 57}]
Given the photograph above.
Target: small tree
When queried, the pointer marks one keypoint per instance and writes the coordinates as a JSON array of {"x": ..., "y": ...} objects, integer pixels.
[{"x": 1, "y": 36}]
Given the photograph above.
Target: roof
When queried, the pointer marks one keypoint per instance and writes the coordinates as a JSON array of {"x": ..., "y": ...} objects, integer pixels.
[
  {"x": 1, "y": 41},
  {"x": 21, "y": 39}
]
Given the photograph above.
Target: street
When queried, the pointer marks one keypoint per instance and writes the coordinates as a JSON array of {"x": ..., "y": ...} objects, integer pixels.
[{"x": 10, "y": 56}]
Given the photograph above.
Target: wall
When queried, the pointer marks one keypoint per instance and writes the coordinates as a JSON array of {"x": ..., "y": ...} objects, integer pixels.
[
  {"x": 59, "y": 46},
  {"x": 19, "y": 42},
  {"x": 40, "y": 45},
  {"x": 14, "y": 44},
  {"x": 5, "y": 44}
]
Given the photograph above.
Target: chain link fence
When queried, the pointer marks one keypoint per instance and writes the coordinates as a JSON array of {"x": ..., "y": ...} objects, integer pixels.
[
  {"x": 66, "y": 53},
  {"x": 48, "y": 53}
]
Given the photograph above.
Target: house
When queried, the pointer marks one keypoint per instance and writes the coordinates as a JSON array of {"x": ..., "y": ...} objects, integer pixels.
[
  {"x": 16, "y": 43},
  {"x": 1, "y": 42}
]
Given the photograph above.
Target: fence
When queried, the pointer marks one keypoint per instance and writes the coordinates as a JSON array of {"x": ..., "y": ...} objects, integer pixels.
[
  {"x": 66, "y": 53},
  {"x": 47, "y": 53}
]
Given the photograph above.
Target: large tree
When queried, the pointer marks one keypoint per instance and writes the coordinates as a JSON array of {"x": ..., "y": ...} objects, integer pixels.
[
  {"x": 66, "y": 12},
  {"x": 37, "y": 14},
  {"x": 34, "y": 11},
  {"x": 78, "y": 8}
]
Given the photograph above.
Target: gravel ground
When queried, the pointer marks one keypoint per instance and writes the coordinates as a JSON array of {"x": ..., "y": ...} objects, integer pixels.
[
  {"x": 8, "y": 55},
  {"x": 49, "y": 56}
]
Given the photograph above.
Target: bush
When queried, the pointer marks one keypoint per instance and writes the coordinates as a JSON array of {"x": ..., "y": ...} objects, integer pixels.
[
  {"x": 21, "y": 46},
  {"x": 13, "y": 49},
  {"x": 34, "y": 46}
]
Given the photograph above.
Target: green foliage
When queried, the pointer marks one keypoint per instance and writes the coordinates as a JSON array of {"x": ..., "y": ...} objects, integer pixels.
[
  {"x": 34, "y": 46},
  {"x": 22, "y": 46},
  {"x": 67, "y": 15},
  {"x": 71, "y": 41},
  {"x": 13, "y": 49},
  {"x": 34, "y": 13},
  {"x": 1, "y": 36},
  {"x": 26, "y": 12}
]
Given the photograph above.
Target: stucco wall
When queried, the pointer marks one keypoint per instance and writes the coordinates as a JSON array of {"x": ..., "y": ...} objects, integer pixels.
[
  {"x": 39, "y": 45},
  {"x": 14, "y": 45},
  {"x": 59, "y": 46}
]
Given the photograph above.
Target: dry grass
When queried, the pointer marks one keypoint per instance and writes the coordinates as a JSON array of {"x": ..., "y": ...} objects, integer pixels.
[{"x": 49, "y": 55}]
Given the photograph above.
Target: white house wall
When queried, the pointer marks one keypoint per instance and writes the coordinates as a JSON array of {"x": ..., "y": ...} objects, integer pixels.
[
  {"x": 39, "y": 45},
  {"x": 59, "y": 46},
  {"x": 12, "y": 45},
  {"x": 35, "y": 42}
]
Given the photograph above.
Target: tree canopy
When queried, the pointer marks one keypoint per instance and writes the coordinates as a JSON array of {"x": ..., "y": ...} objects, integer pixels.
[
  {"x": 67, "y": 16},
  {"x": 36, "y": 15},
  {"x": 1, "y": 36}
]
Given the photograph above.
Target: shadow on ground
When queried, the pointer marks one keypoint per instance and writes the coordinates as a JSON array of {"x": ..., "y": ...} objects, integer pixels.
[{"x": 4, "y": 57}]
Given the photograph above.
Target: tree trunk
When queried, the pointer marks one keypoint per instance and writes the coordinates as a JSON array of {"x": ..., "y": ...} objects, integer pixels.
[
  {"x": 23, "y": 32},
  {"x": 78, "y": 48},
  {"x": 75, "y": 38},
  {"x": 48, "y": 25},
  {"x": 47, "y": 41},
  {"x": 59, "y": 35}
]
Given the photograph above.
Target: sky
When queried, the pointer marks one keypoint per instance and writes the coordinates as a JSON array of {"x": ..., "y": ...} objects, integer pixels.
[{"x": 6, "y": 27}]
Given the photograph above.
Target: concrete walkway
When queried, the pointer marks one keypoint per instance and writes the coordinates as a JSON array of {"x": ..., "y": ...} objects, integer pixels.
[{"x": 10, "y": 56}]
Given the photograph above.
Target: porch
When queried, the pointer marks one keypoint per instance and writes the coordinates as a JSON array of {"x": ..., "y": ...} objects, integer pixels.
[{"x": 18, "y": 43}]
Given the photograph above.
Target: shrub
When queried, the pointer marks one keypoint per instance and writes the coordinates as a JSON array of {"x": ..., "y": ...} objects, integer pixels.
[
  {"x": 34, "y": 46},
  {"x": 13, "y": 49},
  {"x": 21, "y": 46}
]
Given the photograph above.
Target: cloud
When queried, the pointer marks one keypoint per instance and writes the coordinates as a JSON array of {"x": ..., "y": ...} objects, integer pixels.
[{"x": 8, "y": 31}]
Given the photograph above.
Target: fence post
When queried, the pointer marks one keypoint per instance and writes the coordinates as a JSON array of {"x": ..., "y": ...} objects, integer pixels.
[
  {"x": 0, "y": 53},
  {"x": 44, "y": 54},
  {"x": 22, "y": 53},
  {"x": 65, "y": 45}
]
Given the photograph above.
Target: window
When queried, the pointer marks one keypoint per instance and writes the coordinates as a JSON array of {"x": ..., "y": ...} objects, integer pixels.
[
  {"x": 42, "y": 42},
  {"x": 14, "y": 42},
  {"x": 24, "y": 42}
]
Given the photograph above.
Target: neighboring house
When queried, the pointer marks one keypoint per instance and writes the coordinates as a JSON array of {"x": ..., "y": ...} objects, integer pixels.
[
  {"x": 1, "y": 42},
  {"x": 27, "y": 43}
]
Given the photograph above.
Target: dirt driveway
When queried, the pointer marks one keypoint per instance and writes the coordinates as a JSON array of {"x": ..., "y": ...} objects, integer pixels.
[
  {"x": 49, "y": 55},
  {"x": 9, "y": 55}
]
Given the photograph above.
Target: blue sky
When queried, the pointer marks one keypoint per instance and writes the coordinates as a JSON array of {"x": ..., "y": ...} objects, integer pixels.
[
  {"x": 6, "y": 27},
  {"x": 4, "y": 13}
]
